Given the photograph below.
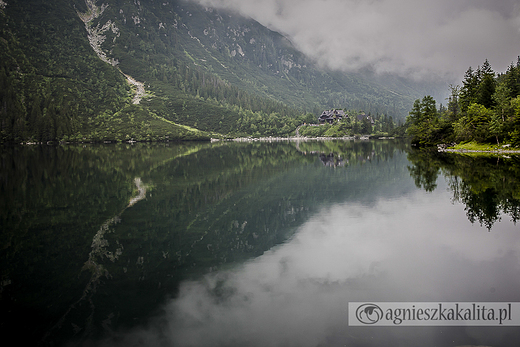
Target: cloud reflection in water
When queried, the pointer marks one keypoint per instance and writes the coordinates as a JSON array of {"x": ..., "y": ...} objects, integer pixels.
[{"x": 415, "y": 248}]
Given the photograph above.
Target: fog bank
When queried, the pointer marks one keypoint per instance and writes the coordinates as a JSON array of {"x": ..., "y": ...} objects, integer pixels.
[{"x": 412, "y": 38}]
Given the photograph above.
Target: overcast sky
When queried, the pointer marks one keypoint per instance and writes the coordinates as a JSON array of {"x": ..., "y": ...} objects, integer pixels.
[{"x": 409, "y": 37}]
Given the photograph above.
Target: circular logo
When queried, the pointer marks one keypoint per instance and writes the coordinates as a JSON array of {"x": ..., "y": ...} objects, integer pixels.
[{"x": 369, "y": 313}]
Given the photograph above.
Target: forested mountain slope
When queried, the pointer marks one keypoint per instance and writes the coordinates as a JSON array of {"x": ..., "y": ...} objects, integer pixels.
[{"x": 84, "y": 70}]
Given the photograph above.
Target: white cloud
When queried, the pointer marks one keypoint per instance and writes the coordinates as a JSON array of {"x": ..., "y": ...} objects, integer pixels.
[{"x": 409, "y": 37}]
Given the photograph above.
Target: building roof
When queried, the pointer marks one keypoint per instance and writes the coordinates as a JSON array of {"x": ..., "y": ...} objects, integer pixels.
[
  {"x": 360, "y": 117},
  {"x": 331, "y": 115}
]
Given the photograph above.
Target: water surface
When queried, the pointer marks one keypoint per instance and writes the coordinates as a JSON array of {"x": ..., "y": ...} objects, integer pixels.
[{"x": 251, "y": 244}]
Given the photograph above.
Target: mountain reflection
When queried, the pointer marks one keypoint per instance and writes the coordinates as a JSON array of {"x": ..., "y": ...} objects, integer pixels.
[
  {"x": 205, "y": 207},
  {"x": 489, "y": 187}
]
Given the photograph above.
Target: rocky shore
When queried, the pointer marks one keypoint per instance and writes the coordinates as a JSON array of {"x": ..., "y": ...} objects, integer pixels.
[
  {"x": 293, "y": 138},
  {"x": 506, "y": 149},
  {"x": 497, "y": 151}
]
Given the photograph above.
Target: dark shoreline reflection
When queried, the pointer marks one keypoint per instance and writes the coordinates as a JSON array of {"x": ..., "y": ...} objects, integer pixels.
[{"x": 488, "y": 186}]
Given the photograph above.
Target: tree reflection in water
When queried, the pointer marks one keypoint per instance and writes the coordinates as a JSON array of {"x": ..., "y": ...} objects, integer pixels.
[{"x": 488, "y": 186}]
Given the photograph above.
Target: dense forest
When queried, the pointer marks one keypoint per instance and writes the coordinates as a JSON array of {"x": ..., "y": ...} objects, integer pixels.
[
  {"x": 485, "y": 109},
  {"x": 65, "y": 68}
]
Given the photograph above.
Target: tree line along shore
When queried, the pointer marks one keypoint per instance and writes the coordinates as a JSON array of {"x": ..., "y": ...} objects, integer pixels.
[{"x": 482, "y": 114}]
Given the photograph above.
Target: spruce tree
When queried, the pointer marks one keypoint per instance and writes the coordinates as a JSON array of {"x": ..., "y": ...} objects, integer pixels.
[
  {"x": 487, "y": 85},
  {"x": 468, "y": 92}
]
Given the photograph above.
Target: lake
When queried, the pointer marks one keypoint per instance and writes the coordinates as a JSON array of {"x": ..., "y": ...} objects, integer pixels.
[{"x": 252, "y": 244}]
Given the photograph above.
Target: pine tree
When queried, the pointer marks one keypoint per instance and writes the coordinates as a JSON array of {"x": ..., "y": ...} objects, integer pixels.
[
  {"x": 453, "y": 108},
  {"x": 487, "y": 85},
  {"x": 512, "y": 79},
  {"x": 469, "y": 90}
]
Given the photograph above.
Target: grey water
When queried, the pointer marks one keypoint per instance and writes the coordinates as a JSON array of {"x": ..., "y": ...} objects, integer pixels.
[{"x": 251, "y": 244}]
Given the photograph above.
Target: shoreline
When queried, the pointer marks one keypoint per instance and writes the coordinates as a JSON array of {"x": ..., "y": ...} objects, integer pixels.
[
  {"x": 471, "y": 147},
  {"x": 298, "y": 138},
  {"x": 236, "y": 139},
  {"x": 494, "y": 151}
]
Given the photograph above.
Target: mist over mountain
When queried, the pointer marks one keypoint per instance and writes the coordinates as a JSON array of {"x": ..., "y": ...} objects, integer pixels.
[
  {"x": 421, "y": 39},
  {"x": 85, "y": 70}
]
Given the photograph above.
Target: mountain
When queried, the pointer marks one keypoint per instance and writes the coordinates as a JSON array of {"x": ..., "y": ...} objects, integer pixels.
[{"x": 86, "y": 70}]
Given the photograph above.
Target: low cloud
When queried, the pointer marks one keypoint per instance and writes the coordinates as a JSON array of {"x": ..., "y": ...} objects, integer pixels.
[{"x": 420, "y": 38}]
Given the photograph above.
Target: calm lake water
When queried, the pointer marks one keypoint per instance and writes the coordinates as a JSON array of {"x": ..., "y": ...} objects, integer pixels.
[{"x": 251, "y": 244}]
